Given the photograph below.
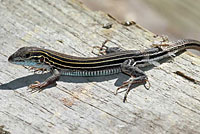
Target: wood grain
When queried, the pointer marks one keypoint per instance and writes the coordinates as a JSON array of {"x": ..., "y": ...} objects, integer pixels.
[{"x": 88, "y": 105}]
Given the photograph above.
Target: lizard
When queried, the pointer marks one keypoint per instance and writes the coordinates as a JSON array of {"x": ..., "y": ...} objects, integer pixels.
[{"x": 112, "y": 60}]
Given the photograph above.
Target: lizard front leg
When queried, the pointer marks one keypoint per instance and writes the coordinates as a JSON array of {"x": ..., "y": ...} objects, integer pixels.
[
  {"x": 51, "y": 80},
  {"x": 137, "y": 76}
]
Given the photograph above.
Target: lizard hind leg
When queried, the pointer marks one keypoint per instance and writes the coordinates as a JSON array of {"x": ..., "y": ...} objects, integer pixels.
[
  {"x": 137, "y": 76},
  {"x": 132, "y": 80},
  {"x": 103, "y": 49}
]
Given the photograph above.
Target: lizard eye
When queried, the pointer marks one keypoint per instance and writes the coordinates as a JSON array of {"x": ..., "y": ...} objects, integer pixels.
[{"x": 27, "y": 55}]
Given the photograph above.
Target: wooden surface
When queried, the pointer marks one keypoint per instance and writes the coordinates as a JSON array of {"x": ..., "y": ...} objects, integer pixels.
[{"x": 88, "y": 105}]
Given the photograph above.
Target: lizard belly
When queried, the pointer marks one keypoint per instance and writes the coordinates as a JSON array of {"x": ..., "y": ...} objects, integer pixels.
[{"x": 90, "y": 73}]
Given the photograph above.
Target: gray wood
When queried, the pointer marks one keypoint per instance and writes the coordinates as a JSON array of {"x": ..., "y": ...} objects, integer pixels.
[{"x": 88, "y": 105}]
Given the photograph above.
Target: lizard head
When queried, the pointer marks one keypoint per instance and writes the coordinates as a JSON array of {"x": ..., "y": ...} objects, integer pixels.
[{"x": 27, "y": 56}]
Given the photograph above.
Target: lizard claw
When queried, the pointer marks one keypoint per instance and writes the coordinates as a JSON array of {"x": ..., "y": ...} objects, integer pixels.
[
  {"x": 37, "y": 86},
  {"x": 129, "y": 83},
  {"x": 36, "y": 70},
  {"x": 101, "y": 50},
  {"x": 40, "y": 70}
]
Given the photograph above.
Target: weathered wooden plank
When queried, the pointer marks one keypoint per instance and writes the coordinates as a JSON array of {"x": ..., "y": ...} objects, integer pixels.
[{"x": 88, "y": 105}]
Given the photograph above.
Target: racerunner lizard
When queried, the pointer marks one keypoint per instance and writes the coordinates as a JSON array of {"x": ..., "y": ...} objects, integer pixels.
[{"x": 114, "y": 60}]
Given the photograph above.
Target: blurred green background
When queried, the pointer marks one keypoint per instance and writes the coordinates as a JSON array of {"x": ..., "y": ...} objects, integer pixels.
[{"x": 175, "y": 18}]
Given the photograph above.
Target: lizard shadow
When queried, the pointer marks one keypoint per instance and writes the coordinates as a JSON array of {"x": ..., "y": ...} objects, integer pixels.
[
  {"x": 27, "y": 80},
  {"x": 22, "y": 81}
]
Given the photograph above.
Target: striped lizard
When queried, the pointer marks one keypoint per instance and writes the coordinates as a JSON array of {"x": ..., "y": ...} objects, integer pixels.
[{"x": 113, "y": 60}]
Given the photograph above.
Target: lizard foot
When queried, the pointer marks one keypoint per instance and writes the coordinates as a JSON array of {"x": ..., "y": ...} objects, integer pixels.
[
  {"x": 132, "y": 80},
  {"x": 101, "y": 49},
  {"x": 36, "y": 70},
  {"x": 37, "y": 86}
]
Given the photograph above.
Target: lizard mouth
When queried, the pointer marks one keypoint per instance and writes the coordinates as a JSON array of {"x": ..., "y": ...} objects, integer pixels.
[{"x": 13, "y": 60}]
